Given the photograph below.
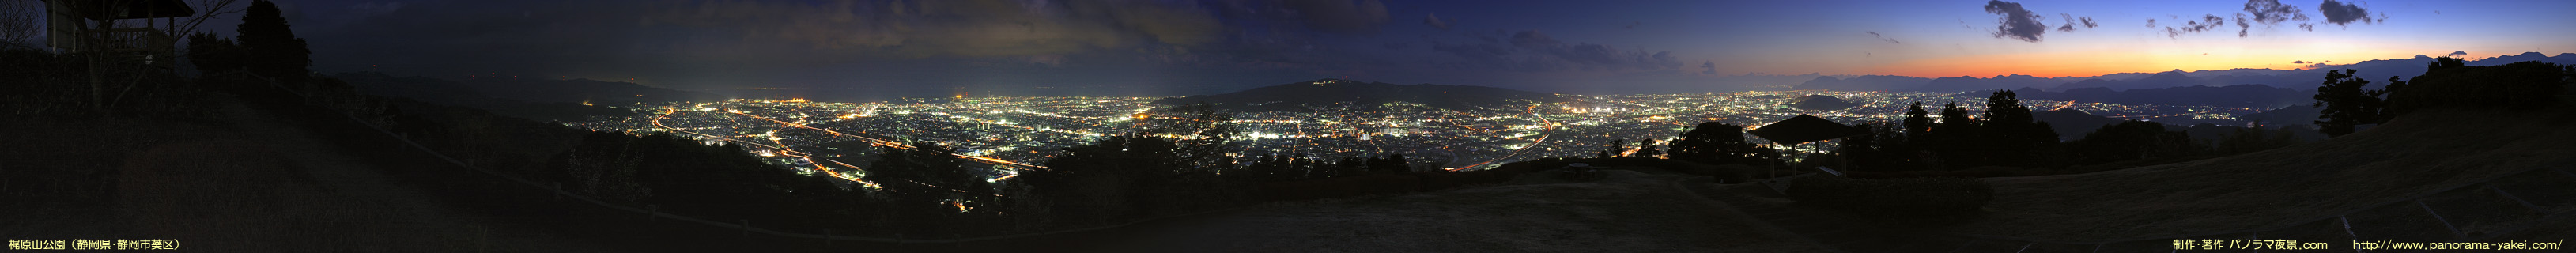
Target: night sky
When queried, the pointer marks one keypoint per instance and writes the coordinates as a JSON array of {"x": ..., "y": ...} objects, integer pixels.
[{"x": 1193, "y": 47}]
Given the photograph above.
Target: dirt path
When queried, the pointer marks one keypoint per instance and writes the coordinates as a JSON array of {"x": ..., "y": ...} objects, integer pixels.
[
  {"x": 277, "y": 187},
  {"x": 1629, "y": 212}
]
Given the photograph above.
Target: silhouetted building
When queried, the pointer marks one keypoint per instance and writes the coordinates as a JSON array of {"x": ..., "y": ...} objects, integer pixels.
[
  {"x": 122, "y": 28},
  {"x": 1805, "y": 128}
]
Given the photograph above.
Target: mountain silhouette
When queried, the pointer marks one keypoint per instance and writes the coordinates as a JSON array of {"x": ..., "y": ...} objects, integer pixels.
[
  {"x": 1820, "y": 102},
  {"x": 2072, "y": 123},
  {"x": 2243, "y": 95},
  {"x": 539, "y": 99},
  {"x": 1296, "y": 96},
  {"x": 2305, "y": 78}
]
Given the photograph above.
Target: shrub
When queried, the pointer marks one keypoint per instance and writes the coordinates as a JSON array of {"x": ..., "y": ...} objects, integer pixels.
[
  {"x": 1915, "y": 201},
  {"x": 2520, "y": 85}
]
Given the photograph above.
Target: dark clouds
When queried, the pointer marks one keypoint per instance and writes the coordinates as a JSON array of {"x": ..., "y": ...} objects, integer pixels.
[
  {"x": 2205, "y": 23},
  {"x": 2298, "y": 62},
  {"x": 1535, "y": 51},
  {"x": 2269, "y": 13},
  {"x": 2069, "y": 24},
  {"x": 1708, "y": 67},
  {"x": 2072, "y": 20},
  {"x": 1339, "y": 16},
  {"x": 1434, "y": 21},
  {"x": 2272, "y": 13},
  {"x": 1885, "y": 38},
  {"x": 2016, "y": 23},
  {"x": 1533, "y": 39},
  {"x": 680, "y": 38},
  {"x": 2341, "y": 13},
  {"x": 2457, "y": 54}
]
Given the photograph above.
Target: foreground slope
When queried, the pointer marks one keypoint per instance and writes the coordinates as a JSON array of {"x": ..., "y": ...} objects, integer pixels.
[
  {"x": 1630, "y": 211},
  {"x": 2415, "y": 155}
]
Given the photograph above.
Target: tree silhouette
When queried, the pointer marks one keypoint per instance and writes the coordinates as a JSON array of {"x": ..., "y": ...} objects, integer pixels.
[
  {"x": 274, "y": 51},
  {"x": 1392, "y": 163},
  {"x": 1862, "y": 150},
  {"x": 213, "y": 54},
  {"x": 1917, "y": 121},
  {"x": 1954, "y": 140},
  {"x": 927, "y": 174},
  {"x": 1102, "y": 180},
  {"x": 2251, "y": 139},
  {"x": 1646, "y": 148},
  {"x": 1204, "y": 134},
  {"x": 2346, "y": 105},
  {"x": 2014, "y": 135},
  {"x": 2520, "y": 86},
  {"x": 1713, "y": 143},
  {"x": 1618, "y": 147},
  {"x": 2133, "y": 140},
  {"x": 2440, "y": 63}
]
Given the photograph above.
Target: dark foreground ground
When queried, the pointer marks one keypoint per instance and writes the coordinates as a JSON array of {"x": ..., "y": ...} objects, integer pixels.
[
  {"x": 268, "y": 178},
  {"x": 271, "y": 178}
]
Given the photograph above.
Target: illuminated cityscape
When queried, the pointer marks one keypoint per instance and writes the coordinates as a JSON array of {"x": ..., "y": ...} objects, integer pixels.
[{"x": 1011, "y": 133}]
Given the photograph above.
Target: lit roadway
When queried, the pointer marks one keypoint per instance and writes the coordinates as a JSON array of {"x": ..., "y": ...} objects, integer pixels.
[
  {"x": 666, "y": 113},
  {"x": 1549, "y": 126},
  {"x": 881, "y": 142}
]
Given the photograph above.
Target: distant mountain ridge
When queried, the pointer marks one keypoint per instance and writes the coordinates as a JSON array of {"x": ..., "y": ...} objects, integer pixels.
[
  {"x": 538, "y": 99},
  {"x": 1820, "y": 102},
  {"x": 2242, "y": 95},
  {"x": 1294, "y": 96},
  {"x": 2376, "y": 70}
]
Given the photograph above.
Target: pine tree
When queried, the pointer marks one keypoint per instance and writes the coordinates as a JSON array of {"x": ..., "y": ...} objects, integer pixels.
[
  {"x": 2346, "y": 105},
  {"x": 213, "y": 54},
  {"x": 2012, "y": 133},
  {"x": 1618, "y": 147},
  {"x": 1955, "y": 139},
  {"x": 1713, "y": 143},
  {"x": 1917, "y": 121},
  {"x": 274, "y": 51},
  {"x": 1862, "y": 150},
  {"x": 1646, "y": 148}
]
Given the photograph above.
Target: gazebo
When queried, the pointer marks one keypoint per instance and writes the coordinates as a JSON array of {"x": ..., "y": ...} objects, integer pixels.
[{"x": 1805, "y": 129}]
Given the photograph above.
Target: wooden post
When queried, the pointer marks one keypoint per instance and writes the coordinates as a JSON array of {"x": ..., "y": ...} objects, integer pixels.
[
  {"x": 1768, "y": 170},
  {"x": 827, "y": 237},
  {"x": 746, "y": 227},
  {"x": 652, "y": 212},
  {"x": 559, "y": 191}
]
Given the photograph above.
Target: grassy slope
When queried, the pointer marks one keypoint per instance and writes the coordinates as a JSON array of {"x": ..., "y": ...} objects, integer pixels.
[
  {"x": 2411, "y": 156},
  {"x": 248, "y": 181},
  {"x": 1628, "y": 212}
]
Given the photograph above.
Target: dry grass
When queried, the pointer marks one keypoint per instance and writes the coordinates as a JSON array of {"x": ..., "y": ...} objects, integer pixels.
[
  {"x": 247, "y": 183},
  {"x": 242, "y": 195},
  {"x": 2411, "y": 156},
  {"x": 1630, "y": 211}
]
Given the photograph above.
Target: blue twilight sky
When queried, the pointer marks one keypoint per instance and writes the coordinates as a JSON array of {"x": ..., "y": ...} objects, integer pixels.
[{"x": 1164, "y": 47}]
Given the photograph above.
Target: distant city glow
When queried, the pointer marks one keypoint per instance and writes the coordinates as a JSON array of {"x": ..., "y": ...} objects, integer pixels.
[{"x": 1015, "y": 133}]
